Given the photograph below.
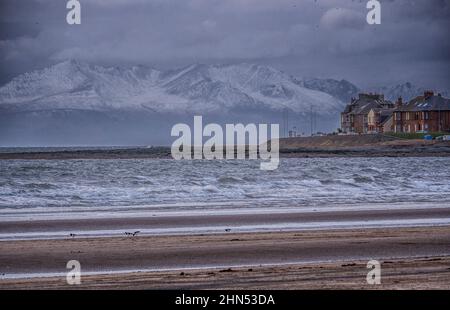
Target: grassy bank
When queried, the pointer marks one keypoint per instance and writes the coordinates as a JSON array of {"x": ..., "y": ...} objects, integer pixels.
[{"x": 406, "y": 135}]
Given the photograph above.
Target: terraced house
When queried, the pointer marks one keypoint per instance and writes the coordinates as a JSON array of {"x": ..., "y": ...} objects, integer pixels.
[
  {"x": 355, "y": 118},
  {"x": 427, "y": 113}
]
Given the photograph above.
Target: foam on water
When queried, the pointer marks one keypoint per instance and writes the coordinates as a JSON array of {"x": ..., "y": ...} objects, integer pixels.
[{"x": 30, "y": 187}]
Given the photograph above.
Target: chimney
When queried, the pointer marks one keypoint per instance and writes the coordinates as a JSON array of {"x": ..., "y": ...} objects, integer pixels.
[
  {"x": 399, "y": 102},
  {"x": 427, "y": 94}
]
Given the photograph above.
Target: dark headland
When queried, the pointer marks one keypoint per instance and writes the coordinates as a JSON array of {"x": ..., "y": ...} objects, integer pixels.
[{"x": 370, "y": 145}]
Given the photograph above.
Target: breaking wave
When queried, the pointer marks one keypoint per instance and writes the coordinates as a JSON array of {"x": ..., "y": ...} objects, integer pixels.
[{"x": 71, "y": 184}]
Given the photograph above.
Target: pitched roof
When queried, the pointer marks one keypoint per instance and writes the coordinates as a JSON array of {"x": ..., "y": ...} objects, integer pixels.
[
  {"x": 430, "y": 103},
  {"x": 386, "y": 119},
  {"x": 384, "y": 113},
  {"x": 366, "y": 102},
  {"x": 366, "y": 107}
]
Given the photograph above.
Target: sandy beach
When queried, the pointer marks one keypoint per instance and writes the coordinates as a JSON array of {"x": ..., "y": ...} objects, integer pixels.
[
  {"x": 407, "y": 273},
  {"x": 411, "y": 257}
]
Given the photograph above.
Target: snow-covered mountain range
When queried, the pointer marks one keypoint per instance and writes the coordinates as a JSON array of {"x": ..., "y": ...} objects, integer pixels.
[
  {"x": 196, "y": 88},
  {"x": 74, "y": 102}
]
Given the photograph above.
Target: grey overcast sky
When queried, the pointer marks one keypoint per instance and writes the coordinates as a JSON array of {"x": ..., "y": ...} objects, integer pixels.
[{"x": 306, "y": 38}]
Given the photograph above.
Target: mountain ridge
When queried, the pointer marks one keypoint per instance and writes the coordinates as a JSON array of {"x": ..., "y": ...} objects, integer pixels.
[
  {"x": 197, "y": 87},
  {"x": 407, "y": 91}
]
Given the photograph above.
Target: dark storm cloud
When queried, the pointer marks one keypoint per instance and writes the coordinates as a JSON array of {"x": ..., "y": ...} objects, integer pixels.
[{"x": 306, "y": 38}]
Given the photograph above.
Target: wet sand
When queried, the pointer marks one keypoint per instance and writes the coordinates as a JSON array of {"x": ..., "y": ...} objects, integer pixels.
[
  {"x": 159, "y": 220},
  {"x": 415, "y": 257},
  {"x": 86, "y": 224}
]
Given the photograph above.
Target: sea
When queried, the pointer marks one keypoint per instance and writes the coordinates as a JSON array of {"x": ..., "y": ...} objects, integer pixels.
[{"x": 51, "y": 188}]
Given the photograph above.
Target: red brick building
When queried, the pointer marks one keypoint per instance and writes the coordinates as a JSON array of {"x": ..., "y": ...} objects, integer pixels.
[
  {"x": 355, "y": 117},
  {"x": 427, "y": 113}
]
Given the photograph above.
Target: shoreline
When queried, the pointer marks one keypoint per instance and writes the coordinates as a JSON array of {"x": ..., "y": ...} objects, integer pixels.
[
  {"x": 283, "y": 154},
  {"x": 154, "y": 223},
  {"x": 402, "y": 149},
  {"x": 320, "y": 259}
]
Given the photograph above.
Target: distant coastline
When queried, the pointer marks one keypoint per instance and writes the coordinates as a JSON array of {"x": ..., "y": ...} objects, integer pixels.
[{"x": 300, "y": 147}]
